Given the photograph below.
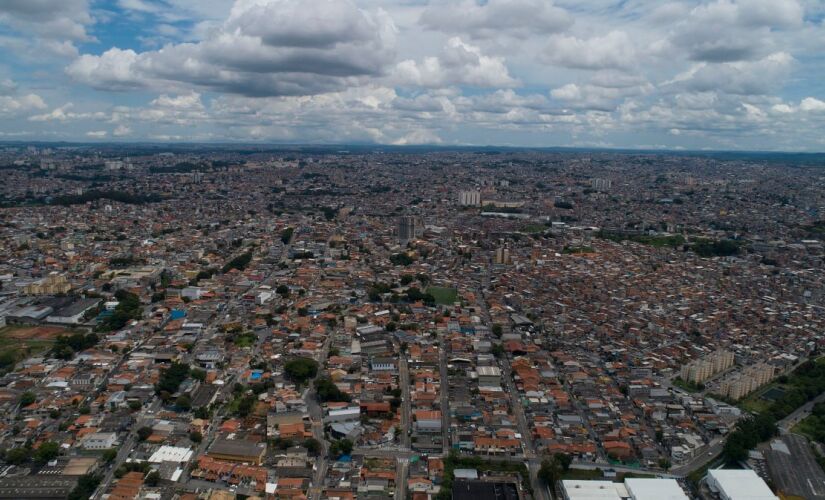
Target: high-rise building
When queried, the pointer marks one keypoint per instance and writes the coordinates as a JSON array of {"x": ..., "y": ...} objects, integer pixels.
[
  {"x": 703, "y": 369},
  {"x": 470, "y": 198},
  {"x": 502, "y": 255},
  {"x": 599, "y": 184},
  {"x": 409, "y": 228}
]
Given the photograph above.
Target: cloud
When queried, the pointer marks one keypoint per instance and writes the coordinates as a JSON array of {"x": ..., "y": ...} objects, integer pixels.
[
  {"x": 614, "y": 50},
  {"x": 761, "y": 76},
  {"x": 812, "y": 104},
  {"x": 727, "y": 31},
  {"x": 65, "y": 19},
  {"x": 458, "y": 63},
  {"x": 121, "y": 131},
  {"x": 496, "y": 18},
  {"x": 96, "y": 134},
  {"x": 264, "y": 48},
  {"x": 13, "y": 105},
  {"x": 65, "y": 113}
]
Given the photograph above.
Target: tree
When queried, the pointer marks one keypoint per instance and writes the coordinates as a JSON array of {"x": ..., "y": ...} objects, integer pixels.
[
  {"x": 86, "y": 486},
  {"x": 46, "y": 452},
  {"x": 17, "y": 456},
  {"x": 246, "y": 405},
  {"x": 152, "y": 479},
  {"x": 301, "y": 369},
  {"x": 143, "y": 433},
  {"x": 497, "y": 330},
  {"x": 183, "y": 402},
  {"x": 312, "y": 445},
  {"x": 328, "y": 391},
  {"x": 340, "y": 447},
  {"x": 171, "y": 378},
  {"x": 198, "y": 374},
  {"x": 564, "y": 460},
  {"x": 109, "y": 455},
  {"x": 27, "y": 398},
  {"x": 664, "y": 463},
  {"x": 550, "y": 471},
  {"x": 195, "y": 437}
]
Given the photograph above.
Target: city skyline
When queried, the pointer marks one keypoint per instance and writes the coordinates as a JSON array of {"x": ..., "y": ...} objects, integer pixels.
[{"x": 718, "y": 75}]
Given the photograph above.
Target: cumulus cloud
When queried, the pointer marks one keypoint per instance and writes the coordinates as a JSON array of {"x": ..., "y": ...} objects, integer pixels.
[
  {"x": 458, "y": 63},
  {"x": 726, "y": 31},
  {"x": 260, "y": 51},
  {"x": 614, "y": 50},
  {"x": 812, "y": 104},
  {"x": 495, "y": 18},
  {"x": 716, "y": 72},
  {"x": 66, "y": 19},
  {"x": 761, "y": 76},
  {"x": 11, "y": 105}
]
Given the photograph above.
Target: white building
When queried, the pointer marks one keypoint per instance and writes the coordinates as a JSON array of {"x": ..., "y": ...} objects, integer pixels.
[
  {"x": 631, "y": 489},
  {"x": 344, "y": 414},
  {"x": 470, "y": 198},
  {"x": 100, "y": 441},
  {"x": 192, "y": 292},
  {"x": 177, "y": 454},
  {"x": 734, "y": 484},
  {"x": 654, "y": 489}
]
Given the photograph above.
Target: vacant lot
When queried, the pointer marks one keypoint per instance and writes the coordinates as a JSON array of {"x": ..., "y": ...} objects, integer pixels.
[
  {"x": 443, "y": 296},
  {"x": 19, "y": 341}
]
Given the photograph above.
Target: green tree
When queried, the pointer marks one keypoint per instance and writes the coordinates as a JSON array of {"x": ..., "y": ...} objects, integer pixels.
[
  {"x": 312, "y": 445},
  {"x": 27, "y": 398},
  {"x": 198, "y": 374},
  {"x": 195, "y": 437},
  {"x": 183, "y": 402},
  {"x": 301, "y": 369},
  {"x": 109, "y": 455},
  {"x": 152, "y": 479},
  {"x": 86, "y": 486},
  {"x": 17, "y": 456},
  {"x": 143, "y": 433},
  {"x": 46, "y": 451},
  {"x": 550, "y": 471}
]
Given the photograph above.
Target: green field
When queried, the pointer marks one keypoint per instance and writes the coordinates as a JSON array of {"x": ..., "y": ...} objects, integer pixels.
[
  {"x": 755, "y": 402},
  {"x": 534, "y": 228},
  {"x": 443, "y": 296},
  {"x": 806, "y": 427},
  {"x": 686, "y": 385},
  {"x": 17, "y": 342}
]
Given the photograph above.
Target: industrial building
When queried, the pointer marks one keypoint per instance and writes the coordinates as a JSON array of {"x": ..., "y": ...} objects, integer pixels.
[{"x": 733, "y": 484}]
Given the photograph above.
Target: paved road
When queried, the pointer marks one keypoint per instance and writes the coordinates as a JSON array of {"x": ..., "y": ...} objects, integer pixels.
[
  {"x": 402, "y": 467},
  {"x": 705, "y": 455},
  {"x": 316, "y": 414},
  {"x": 445, "y": 397},
  {"x": 127, "y": 446},
  {"x": 404, "y": 380},
  {"x": 800, "y": 414}
]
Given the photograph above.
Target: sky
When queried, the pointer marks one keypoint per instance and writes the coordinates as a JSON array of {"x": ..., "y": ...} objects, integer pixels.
[{"x": 649, "y": 74}]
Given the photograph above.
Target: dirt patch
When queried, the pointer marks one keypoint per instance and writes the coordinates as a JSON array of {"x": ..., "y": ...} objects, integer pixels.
[{"x": 35, "y": 333}]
